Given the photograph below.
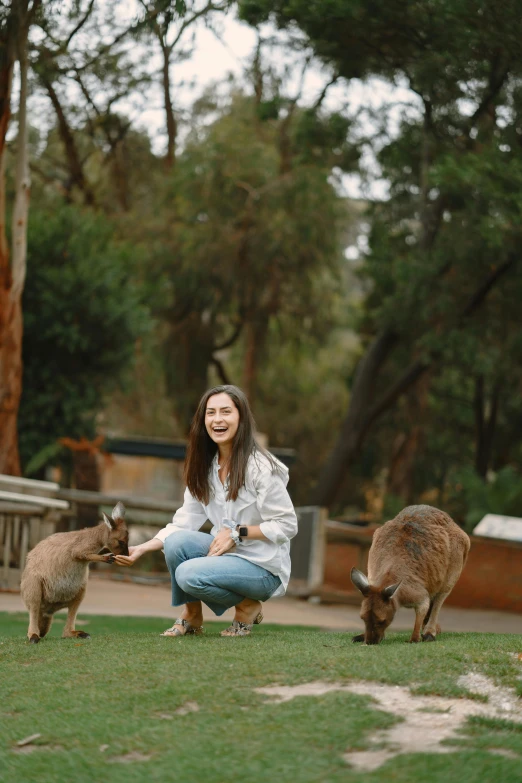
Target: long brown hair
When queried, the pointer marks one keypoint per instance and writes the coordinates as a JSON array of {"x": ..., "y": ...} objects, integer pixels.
[{"x": 201, "y": 449}]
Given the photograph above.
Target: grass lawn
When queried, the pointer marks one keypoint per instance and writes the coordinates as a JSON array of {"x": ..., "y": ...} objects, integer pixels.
[{"x": 95, "y": 701}]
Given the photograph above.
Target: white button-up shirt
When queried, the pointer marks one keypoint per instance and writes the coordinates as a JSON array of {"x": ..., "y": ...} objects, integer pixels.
[{"x": 263, "y": 501}]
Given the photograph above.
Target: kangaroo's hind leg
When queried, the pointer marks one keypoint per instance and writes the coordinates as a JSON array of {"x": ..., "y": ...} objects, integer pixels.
[
  {"x": 432, "y": 628},
  {"x": 459, "y": 553},
  {"x": 69, "y": 631},
  {"x": 421, "y": 606},
  {"x": 32, "y": 595},
  {"x": 44, "y": 623},
  {"x": 427, "y": 618}
]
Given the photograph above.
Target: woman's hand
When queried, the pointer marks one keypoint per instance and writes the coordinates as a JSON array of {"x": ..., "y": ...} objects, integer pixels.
[
  {"x": 222, "y": 543},
  {"x": 135, "y": 552}
]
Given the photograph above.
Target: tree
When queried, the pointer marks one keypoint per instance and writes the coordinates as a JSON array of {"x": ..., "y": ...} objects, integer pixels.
[
  {"x": 15, "y": 21},
  {"x": 168, "y": 25},
  {"x": 425, "y": 295},
  {"x": 251, "y": 243},
  {"x": 84, "y": 314}
]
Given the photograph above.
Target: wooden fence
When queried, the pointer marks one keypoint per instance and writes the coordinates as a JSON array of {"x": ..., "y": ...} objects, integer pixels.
[
  {"x": 22, "y": 526},
  {"x": 32, "y": 510}
]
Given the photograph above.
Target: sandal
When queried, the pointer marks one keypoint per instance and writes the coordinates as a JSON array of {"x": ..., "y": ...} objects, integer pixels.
[
  {"x": 242, "y": 629},
  {"x": 190, "y": 630}
]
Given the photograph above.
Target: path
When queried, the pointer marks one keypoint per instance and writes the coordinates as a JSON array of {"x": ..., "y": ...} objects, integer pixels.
[{"x": 109, "y": 597}]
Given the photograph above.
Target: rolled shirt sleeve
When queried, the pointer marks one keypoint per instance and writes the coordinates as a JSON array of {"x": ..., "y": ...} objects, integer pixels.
[
  {"x": 191, "y": 516},
  {"x": 279, "y": 523}
]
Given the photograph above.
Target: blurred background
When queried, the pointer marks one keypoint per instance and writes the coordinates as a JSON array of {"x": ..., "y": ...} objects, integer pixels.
[{"x": 317, "y": 201}]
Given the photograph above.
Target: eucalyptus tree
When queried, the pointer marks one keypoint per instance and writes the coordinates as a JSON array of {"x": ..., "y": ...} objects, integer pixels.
[
  {"x": 169, "y": 25},
  {"x": 16, "y": 20},
  {"x": 445, "y": 248},
  {"x": 254, "y": 237}
]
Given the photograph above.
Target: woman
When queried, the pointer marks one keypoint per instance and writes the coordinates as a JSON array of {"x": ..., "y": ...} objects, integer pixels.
[{"x": 241, "y": 489}]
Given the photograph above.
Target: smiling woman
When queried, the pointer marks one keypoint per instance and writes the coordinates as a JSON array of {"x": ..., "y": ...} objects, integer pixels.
[{"x": 241, "y": 488}]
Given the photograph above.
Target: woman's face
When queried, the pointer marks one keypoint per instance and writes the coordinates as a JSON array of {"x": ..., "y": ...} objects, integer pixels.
[{"x": 221, "y": 419}]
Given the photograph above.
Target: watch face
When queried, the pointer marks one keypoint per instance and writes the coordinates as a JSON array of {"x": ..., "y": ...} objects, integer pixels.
[{"x": 243, "y": 531}]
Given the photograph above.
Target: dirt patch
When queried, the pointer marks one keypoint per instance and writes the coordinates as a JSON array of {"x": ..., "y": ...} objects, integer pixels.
[
  {"x": 427, "y": 721},
  {"x": 508, "y": 754},
  {"x": 504, "y": 700},
  {"x": 31, "y": 747},
  {"x": 187, "y": 708},
  {"x": 130, "y": 758}
]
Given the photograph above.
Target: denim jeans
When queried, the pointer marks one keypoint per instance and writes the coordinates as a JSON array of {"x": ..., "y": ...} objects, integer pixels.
[{"x": 220, "y": 582}]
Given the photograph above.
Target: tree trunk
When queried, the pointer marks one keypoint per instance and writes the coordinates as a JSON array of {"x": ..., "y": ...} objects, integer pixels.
[
  {"x": 356, "y": 422},
  {"x": 75, "y": 166},
  {"x": 255, "y": 339},
  {"x": 86, "y": 477},
  {"x": 172, "y": 126},
  {"x": 485, "y": 424},
  {"x": 12, "y": 275},
  {"x": 362, "y": 412},
  {"x": 10, "y": 381},
  {"x": 188, "y": 349},
  {"x": 406, "y": 446}
]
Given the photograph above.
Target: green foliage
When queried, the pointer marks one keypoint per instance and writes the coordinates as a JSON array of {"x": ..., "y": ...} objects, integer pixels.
[
  {"x": 240, "y": 243},
  {"x": 500, "y": 494},
  {"x": 83, "y": 314},
  {"x": 252, "y": 248}
]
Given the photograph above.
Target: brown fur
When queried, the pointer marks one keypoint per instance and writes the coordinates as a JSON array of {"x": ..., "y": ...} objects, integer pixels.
[
  {"x": 414, "y": 561},
  {"x": 57, "y": 569}
]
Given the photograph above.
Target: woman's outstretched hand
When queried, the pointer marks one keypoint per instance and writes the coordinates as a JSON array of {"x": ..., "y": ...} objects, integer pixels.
[
  {"x": 222, "y": 543},
  {"x": 130, "y": 559}
]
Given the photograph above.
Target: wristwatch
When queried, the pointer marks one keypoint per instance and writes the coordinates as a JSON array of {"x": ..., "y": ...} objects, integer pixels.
[{"x": 243, "y": 532}]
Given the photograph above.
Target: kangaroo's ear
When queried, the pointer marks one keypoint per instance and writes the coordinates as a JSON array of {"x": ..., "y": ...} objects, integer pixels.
[
  {"x": 360, "y": 581},
  {"x": 389, "y": 592},
  {"x": 118, "y": 512},
  {"x": 108, "y": 521}
]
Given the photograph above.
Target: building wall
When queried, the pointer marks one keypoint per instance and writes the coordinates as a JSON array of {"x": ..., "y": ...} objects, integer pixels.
[
  {"x": 152, "y": 477},
  {"x": 491, "y": 579}
]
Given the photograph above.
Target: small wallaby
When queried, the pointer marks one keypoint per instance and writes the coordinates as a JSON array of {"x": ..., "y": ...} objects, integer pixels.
[
  {"x": 414, "y": 561},
  {"x": 57, "y": 569}
]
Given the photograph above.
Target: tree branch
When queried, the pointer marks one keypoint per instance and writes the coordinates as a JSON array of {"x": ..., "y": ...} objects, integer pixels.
[
  {"x": 218, "y": 364},
  {"x": 362, "y": 414},
  {"x": 322, "y": 94},
  {"x": 79, "y": 26},
  {"x": 232, "y": 339}
]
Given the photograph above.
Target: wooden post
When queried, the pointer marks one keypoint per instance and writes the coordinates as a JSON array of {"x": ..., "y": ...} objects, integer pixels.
[
  {"x": 24, "y": 546},
  {"x": 7, "y": 551}
]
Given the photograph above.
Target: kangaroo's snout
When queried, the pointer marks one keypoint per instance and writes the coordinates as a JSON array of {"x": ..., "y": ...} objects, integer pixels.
[{"x": 122, "y": 549}]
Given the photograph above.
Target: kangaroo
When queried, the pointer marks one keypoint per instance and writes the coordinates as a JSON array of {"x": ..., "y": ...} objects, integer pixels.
[
  {"x": 414, "y": 561},
  {"x": 57, "y": 569}
]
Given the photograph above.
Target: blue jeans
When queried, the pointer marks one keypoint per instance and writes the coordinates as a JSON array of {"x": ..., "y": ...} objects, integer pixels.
[{"x": 220, "y": 582}]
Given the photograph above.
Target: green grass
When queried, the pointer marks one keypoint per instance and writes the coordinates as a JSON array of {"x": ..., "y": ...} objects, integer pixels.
[{"x": 112, "y": 690}]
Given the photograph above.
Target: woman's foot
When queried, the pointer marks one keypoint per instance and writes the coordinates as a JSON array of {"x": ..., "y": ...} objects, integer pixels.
[
  {"x": 248, "y": 613},
  {"x": 190, "y": 622}
]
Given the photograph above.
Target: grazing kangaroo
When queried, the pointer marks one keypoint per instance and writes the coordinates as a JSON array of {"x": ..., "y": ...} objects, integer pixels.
[
  {"x": 57, "y": 569},
  {"x": 414, "y": 561}
]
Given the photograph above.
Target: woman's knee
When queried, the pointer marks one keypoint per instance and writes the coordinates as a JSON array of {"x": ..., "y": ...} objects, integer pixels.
[
  {"x": 179, "y": 544},
  {"x": 188, "y": 576}
]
